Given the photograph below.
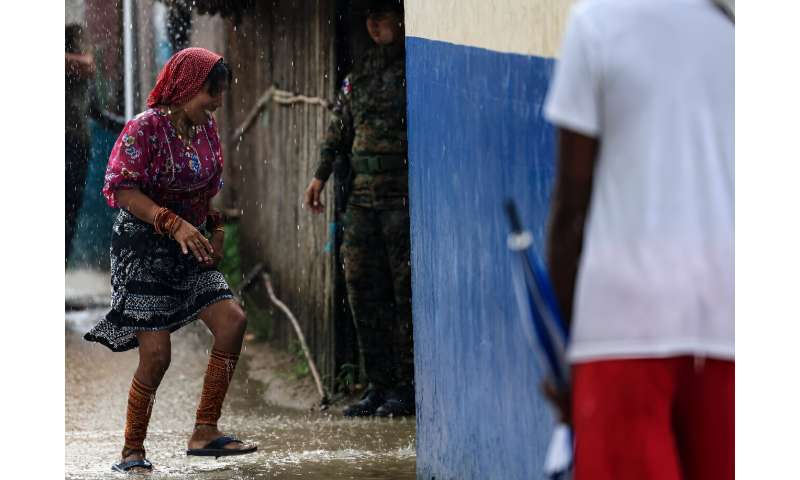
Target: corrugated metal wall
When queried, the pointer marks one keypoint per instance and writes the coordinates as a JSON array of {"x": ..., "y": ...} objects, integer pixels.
[{"x": 289, "y": 44}]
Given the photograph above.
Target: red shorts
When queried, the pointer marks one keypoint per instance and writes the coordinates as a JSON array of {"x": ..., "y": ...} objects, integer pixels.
[{"x": 654, "y": 419}]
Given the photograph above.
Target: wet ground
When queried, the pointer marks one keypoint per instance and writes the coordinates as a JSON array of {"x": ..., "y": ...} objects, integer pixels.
[{"x": 292, "y": 444}]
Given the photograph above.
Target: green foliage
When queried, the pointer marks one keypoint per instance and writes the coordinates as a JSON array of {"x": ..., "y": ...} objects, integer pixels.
[
  {"x": 347, "y": 377},
  {"x": 231, "y": 266},
  {"x": 259, "y": 318},
  {"x": 300, "y": 368}
]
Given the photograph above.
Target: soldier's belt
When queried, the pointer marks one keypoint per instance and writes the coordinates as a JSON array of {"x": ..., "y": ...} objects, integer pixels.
[{"x": 372, "y": 164}]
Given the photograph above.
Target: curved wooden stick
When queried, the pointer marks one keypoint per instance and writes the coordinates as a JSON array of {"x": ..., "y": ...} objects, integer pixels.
[{"x": 312, "y": 366}]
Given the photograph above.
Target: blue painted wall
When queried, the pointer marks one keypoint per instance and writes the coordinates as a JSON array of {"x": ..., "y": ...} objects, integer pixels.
[
  {"x": 476, "y": 137},
  {"x": 92, "y": 241}
]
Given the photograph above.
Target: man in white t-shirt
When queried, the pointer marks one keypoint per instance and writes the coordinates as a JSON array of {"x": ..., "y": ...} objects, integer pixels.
[{"x": 643, "y": 97}]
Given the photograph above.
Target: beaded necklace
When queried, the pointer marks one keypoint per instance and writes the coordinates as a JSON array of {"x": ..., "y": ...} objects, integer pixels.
[{"x": 187, "y": 142}]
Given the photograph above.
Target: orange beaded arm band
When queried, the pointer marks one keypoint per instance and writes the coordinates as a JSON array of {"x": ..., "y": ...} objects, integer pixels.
[{"x": 166, "y": 222}]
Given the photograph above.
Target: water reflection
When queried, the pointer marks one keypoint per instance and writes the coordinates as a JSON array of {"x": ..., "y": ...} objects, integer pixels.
[{"x": 292, "y": 444}]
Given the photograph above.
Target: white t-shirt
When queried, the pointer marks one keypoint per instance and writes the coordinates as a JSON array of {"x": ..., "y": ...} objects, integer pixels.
[{"x": 653, "y": 80}]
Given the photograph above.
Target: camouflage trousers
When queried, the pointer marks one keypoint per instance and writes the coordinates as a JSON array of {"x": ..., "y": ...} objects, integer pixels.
[{"x": 377, "y": 267}]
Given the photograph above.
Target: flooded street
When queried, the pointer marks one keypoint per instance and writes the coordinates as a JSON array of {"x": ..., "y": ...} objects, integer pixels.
[{"x": 292, "y": 444}]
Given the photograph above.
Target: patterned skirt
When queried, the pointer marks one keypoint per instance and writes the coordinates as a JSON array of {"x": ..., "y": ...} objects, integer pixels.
[{"x": 155, "y": 286}]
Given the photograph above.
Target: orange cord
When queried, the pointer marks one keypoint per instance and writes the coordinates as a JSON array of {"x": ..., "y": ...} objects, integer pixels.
[{"x": 217, "y": 379}]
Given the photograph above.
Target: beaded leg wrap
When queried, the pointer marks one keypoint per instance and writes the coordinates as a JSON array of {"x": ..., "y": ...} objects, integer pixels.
[
  {"x": 140, "y": 405},
  {"x": 218, "y": 377}
]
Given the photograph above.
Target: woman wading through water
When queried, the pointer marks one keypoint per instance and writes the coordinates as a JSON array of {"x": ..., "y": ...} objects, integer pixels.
[{"x": 162, "y": 173}]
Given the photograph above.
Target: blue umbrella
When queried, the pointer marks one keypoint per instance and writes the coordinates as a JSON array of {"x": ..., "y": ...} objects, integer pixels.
[{"x": 544, "y": 326}]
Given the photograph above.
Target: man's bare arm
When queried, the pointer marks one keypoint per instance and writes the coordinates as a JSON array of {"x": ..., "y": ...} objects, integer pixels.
[
  {"x": 577, "y": 155},
  {"x": 80, "y": 64}
]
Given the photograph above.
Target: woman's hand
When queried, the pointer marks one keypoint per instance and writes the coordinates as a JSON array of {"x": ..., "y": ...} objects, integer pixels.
[
  {"x": 311, "y": 199},
  {"x": 143, "y": 208},
  {"x": 217, "y": 243},
  {"x": 190, "y": 238}
]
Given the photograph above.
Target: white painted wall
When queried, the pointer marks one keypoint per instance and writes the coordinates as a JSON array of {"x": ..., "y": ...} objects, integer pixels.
[{"x": 529, "y": 27}]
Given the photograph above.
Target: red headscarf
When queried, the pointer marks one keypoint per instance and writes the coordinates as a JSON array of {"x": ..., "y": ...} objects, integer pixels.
[{"x": 182, "y": 77}]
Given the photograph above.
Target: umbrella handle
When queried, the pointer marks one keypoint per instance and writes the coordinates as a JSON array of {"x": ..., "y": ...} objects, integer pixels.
[{"x": 513, "y": 216}]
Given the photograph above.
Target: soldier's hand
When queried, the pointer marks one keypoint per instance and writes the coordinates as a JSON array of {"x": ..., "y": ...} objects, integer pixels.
[{"x": 311, "y": 199}]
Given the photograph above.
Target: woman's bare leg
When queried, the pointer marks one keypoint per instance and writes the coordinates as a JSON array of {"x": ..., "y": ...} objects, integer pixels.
[{"x": 227, "y": 323}]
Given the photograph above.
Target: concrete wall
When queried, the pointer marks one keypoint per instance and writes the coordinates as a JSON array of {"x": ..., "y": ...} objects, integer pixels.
[
  {"x": 477, "y": 76},
  {"x": 529, "y": 27}
]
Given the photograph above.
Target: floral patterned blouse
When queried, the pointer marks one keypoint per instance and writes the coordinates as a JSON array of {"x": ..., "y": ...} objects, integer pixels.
[{"x": 149, "y": 155}]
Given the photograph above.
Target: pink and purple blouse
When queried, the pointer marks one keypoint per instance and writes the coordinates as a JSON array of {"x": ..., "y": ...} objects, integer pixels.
[{"x": 149, "y": 155}]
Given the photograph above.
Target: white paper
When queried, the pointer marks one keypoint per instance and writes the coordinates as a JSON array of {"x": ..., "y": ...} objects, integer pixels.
[{"x": 558, "y": 460}]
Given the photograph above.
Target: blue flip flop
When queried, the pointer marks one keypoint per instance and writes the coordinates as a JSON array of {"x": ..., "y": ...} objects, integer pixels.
[
  {"x": 216, "y": 448},
  {"x": 125, "y": 467}
]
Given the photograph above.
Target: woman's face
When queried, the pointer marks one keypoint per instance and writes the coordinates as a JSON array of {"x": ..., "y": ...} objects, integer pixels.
[
  {"x": 200, "y": 107},
  {"x": 384, "y": 28}
]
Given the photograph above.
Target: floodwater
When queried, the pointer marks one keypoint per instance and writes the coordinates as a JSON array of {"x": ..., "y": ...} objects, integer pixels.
[{"x": 291, "y": 444}]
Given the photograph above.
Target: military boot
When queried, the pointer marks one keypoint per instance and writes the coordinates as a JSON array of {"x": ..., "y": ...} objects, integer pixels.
[
  {"x": 399, "y": 403},
  {"x": 370, "y": 401}
]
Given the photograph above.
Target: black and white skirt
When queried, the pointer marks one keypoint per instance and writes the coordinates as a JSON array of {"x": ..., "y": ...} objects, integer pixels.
[{"x": 155, "y": 286}]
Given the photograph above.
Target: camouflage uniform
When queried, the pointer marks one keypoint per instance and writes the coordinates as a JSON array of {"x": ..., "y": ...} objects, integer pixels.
[{"x": 369, "y": 123}]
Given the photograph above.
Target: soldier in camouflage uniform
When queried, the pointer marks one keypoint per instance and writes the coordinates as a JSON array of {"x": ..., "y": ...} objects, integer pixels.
[{"x": 369, "y": 123}]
